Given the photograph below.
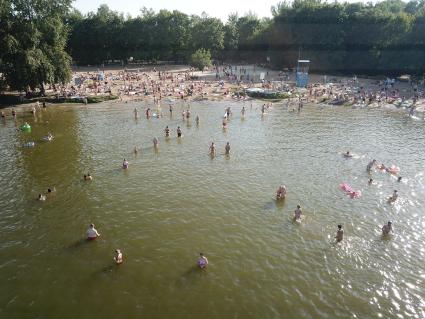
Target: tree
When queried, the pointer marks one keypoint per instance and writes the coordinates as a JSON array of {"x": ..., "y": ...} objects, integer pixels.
[
  {"x": 201, "y": 59},
  {"x": 33, "y": 38}
]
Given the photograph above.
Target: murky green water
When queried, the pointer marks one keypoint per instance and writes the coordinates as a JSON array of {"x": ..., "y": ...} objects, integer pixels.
[{"x": 172, "y": 204}]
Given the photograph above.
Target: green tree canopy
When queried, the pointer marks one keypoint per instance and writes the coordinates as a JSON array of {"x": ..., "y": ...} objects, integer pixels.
[
  {"x": 33, "y": 39},
  {"x": 200, "y": 59}
]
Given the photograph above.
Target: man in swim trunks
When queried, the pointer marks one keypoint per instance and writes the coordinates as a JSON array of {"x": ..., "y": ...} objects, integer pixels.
[
  {"x": 339, "y": 234},
  {"x": 92, "y": 233},
  {"x": 386, "y": 229},
  {"x": 179, "y": 131}
]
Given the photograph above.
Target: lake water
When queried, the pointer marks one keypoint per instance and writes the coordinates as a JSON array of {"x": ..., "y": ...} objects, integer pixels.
[{"x": 173, "y": 204}]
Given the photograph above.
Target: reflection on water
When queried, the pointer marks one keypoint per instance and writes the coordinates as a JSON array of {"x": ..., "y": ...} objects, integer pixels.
[{"x": 177, "y": 201}]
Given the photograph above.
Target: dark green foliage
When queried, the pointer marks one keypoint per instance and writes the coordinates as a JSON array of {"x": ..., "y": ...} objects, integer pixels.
[
  {"x": 32, "y": 43},
  {"x": 200, "y": 59}
]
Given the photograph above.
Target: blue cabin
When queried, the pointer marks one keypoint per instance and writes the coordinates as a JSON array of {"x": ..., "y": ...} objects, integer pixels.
[{"x": 301, "y": 76}]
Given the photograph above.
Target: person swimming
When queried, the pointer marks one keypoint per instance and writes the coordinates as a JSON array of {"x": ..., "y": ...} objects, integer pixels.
[
  {"x": 348, "y": 155},
  {"x": 202, "y": 261},
  {"x": 386, "y": 229},
  {"x": 298, "y": 214},
  {"x": 118, "y": 258},
  {"x": 125, "y": 164},
  {"x": 88, "y": 177},
  {"x": 92, "y": 232},
  {"x": 281, "y": 192},
  {"x": 339, "y": 234},
  {"x": 227, "y": 149},
  {"x": 393, "y": 197}
]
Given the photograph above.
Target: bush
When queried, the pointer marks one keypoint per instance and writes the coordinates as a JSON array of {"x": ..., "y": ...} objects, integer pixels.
[{"x": 201, "y": 59}]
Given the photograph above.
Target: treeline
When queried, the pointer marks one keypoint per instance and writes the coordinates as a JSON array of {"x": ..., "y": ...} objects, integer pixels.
[
  {"x": 383, "y": 38},
  {"x": 39, "y": 38},
  {"x": 163, "y": 36}
]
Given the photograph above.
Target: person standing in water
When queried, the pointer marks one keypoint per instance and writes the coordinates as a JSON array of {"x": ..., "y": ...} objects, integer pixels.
[
  {"x": 118, "y": 257},
  {"x": 92, "y": 233},
  {"x": 370, "y": 165},
  {"x": 202, "y": 261},
  {"x": 155, "y": 142},
  {"x": 136, "y": 113},
  {"x": 167, "y": 131},
  {"x": 179, "y": 131},
  {"x": 339, "y": 234},
  {"x": 212, "y": 149},
  {"x": 386, "y": 229},
  {"x": 125, "y": 164},
  {"x": 171, "y": 109},
  {"x": 298, "y": 214},
  {"x": 243, "y": 111},
  {"x": 227, "y": 149},
  {"x": 281, "y": 192},
  {"x": 197, "y": 119}
]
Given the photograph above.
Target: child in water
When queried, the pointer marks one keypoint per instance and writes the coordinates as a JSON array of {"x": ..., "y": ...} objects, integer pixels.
[{"x": 202, "y": 261}]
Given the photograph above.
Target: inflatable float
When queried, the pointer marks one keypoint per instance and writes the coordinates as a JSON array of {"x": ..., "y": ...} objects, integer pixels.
[
  {"x": 26, "y": 127},
  {"x": 393, "y": 169},
  {"x": 350, "y": 191}
]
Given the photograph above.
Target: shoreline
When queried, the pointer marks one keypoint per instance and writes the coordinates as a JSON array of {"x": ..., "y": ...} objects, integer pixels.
[{"x": 170, "y": 83}]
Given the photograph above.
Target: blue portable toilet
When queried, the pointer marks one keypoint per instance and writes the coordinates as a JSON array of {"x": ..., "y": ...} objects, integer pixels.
[{"x": 301, "y": 76}]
